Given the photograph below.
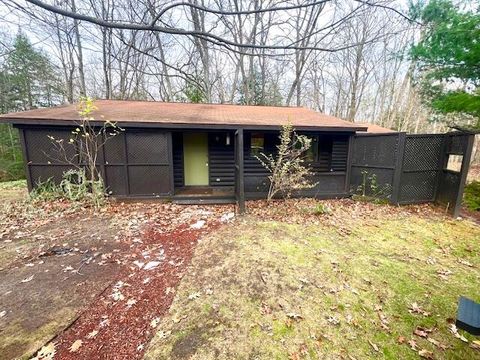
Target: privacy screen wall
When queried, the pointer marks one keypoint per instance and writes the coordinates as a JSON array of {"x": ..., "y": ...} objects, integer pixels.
[
  {"x": 149, "y": 162},
  {"x": 412, "y": 168},
  {"x": 135, "y": 162}
]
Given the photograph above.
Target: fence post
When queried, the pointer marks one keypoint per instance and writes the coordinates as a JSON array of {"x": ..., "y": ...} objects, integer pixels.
[
  {"x": 397, "y": 173},
  {"x": 463, "y": 174},
  {"x": 26, "y": 160}
]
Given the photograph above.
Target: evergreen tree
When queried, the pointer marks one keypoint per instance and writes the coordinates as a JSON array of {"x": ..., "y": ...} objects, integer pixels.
[
  {"x": 448, "y": 58},
  {"x": 27, "y": 81}
]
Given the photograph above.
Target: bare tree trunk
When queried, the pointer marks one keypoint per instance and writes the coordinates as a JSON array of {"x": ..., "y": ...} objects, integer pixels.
[{"x": 81, "y": 74}]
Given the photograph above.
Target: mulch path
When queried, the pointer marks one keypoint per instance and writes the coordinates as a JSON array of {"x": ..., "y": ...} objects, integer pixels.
[{"x": 122, "y": 319}]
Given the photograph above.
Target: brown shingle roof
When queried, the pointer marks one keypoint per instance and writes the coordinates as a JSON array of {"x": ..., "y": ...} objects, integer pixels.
[
  {"x": 185, "y": 114},
  {"x": 375, "y": 129}
]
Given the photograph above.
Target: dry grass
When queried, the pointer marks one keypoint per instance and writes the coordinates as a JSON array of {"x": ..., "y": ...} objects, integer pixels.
[
  {"x": 329, "y": 286},
  {"x": 13, "y": 190}
]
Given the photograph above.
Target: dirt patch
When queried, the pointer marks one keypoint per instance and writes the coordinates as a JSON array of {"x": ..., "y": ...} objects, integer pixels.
[
  {"x": 124, "y": 316},
  {"x": 61, "y": 264},
  {"x": 41, "y": 291}
]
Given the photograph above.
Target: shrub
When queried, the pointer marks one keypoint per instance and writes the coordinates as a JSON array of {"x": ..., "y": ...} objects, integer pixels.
[
  {"x": 321, "y": 209},
  {"x": 287, "y": 168},
  {"x": 75, "y": 186},
  {"x": 471, "y": 197},
  {"x": 369, "y": 190}
]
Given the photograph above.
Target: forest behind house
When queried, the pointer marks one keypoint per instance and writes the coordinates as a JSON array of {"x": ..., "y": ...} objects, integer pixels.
[{"x": 406, "y": 67}]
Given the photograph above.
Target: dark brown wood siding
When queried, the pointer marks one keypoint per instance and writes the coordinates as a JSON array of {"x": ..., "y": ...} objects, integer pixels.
[
  {"x": 221, "y": 162},
  {"x": 329, "y": 167}
]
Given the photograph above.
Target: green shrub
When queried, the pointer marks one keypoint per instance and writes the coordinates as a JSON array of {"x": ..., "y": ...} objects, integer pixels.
[
  {"x": 321, "y": 209},
  {"x": 471, "y": 196},
  {"x": 75, "y": 186}
]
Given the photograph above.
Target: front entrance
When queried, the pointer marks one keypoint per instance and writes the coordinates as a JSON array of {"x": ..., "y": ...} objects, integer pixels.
[{"x": 195, "y": 159}]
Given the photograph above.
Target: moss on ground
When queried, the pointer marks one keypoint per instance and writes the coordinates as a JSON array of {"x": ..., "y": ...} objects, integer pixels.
[{"x": 271, "y": 290}]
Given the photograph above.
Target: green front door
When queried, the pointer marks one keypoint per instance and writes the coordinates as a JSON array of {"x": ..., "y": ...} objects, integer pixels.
[{"x": 195, "y": 159}]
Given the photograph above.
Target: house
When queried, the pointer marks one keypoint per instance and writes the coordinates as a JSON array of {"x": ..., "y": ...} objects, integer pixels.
[{"x": 207, "y": 153}]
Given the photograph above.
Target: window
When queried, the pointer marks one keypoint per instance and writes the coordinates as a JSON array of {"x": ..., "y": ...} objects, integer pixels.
[
  {"x": 257, "y": 144},
  {"x": 454, "y": 162},
  {"x": 311, "y": 155}
]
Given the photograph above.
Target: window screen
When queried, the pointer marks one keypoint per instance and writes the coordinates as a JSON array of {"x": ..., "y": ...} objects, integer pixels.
[{"x": 257, "y": 144}]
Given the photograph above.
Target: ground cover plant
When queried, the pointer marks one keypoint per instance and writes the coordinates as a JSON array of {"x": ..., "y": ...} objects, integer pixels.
[{"x": 361, "y": 281}]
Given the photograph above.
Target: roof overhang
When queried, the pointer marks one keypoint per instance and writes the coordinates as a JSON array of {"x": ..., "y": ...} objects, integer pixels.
[{"x": 31, "y": 122}]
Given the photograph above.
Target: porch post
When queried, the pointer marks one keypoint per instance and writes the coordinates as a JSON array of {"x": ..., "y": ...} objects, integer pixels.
[{"x": 239, "y": 166}]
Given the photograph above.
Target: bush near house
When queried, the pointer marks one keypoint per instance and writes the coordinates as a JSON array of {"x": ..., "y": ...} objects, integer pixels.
[{"x": 471, "y": 197}]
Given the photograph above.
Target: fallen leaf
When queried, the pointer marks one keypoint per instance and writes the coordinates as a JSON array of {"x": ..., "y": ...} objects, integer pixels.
[
  {"x": 373, "y": 345},
  {"x": 163, "y": 334},
  {"x": 92, "y": 334},
  {"x": 154, "y": 322},
  {"x": 294, "y": 316},
  {"x": 454, "y": 331},
  {"x": 465, "y": 262},
  {"x": 416, "y": 309},
  {"x": 413, "y": 344},
  {"x": 198, "y": 225},
  {"x": 76, "y": 345},
  {"x": 426, "y": 354},
  {"x": 151, "y": 265},
  {"x": 422, "y": 332},
  {"x": 30, "y": 278},
  {"x": 401, "y": 340},
  {"x": 194, "y": 296},
  {"x": 475, "y": 345},
  {"x": 46, "y": 353},
  {"x": 437, "y": 343}
]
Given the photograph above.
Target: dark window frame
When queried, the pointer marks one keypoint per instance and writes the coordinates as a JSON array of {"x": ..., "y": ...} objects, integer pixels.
[{"x": 260, "y": 149}]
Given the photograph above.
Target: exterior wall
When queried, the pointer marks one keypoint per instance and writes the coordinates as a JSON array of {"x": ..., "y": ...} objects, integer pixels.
[
  {"x": 412, "y": 168},
  {"x": 148, "y": 162},
  {"x": 133, "y": 163},
  {"x": 330, "y": 168}
]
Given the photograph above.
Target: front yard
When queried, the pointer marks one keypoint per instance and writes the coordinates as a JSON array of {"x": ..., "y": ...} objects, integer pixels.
[
  {"x": 362, "y": 282},
  {"x": 300, "y": 279}
]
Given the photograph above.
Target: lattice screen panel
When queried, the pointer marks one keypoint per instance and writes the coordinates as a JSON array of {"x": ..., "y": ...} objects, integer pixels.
[
  {"x": 448, "y": 187},
  {"x": 456, "y": 144},
  {"x": 147, "y": 148},
  {"x": 418, "y": 186},
  {"x": 41, "y": 149},
  {"x": 116, "y": 179},
  {"x": 149, "y": 180},
  {"x": 422, "y": 153},
  {"x": 41, "y": 173},
  {"x": 375, "y": 150},
  {"x": 114, "y": 149}
]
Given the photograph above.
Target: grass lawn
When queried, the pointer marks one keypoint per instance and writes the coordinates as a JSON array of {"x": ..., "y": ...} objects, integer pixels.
[
  {"x": 13, "y": 190},
  {"x": 360, "y": 282}
]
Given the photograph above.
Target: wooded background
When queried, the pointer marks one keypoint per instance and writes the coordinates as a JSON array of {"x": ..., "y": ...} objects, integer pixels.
[{"x": 351, "y": 59}]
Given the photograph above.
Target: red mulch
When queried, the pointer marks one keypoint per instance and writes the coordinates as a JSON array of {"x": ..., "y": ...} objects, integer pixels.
[{"x": 124, "y": 331}]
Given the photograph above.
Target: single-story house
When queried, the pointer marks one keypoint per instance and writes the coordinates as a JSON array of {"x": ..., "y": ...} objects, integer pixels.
[
  {"x": 188, "y": 150},
  {"x": 207, "y": 152}
]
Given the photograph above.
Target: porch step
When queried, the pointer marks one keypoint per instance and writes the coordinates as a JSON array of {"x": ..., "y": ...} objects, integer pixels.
[{"x": 196, "y": 201}]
